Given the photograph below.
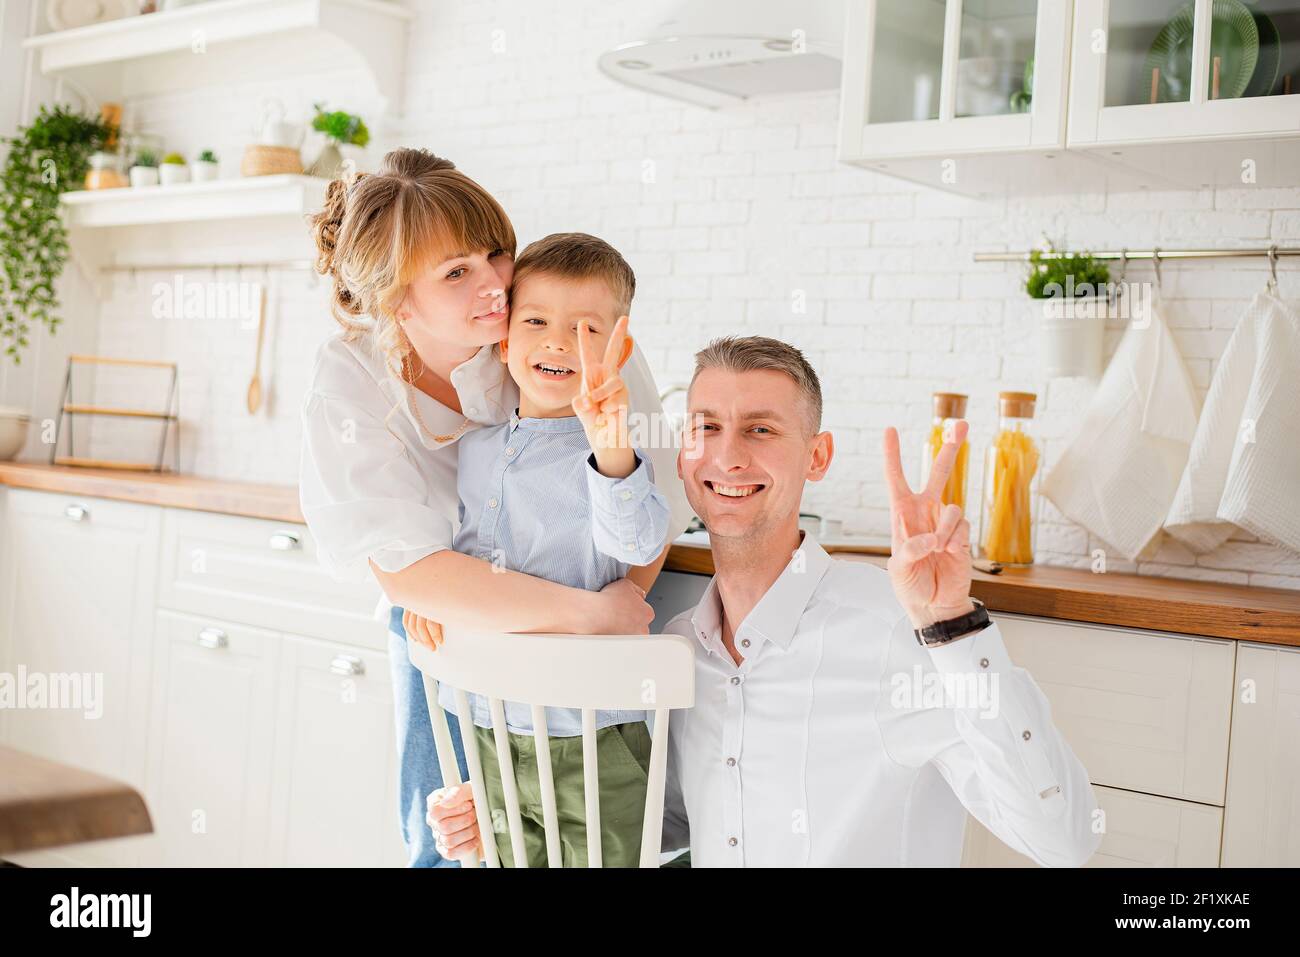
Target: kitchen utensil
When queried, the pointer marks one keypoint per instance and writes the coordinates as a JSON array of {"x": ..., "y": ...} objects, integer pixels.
[
  {"x": 255, "y": 384},
  {"x": 69, "y": 14},
  {"x": 1234, "y": 40},
  {"x": 1269, "y": 66}
]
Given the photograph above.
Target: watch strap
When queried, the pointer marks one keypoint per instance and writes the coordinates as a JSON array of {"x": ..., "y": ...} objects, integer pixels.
[{"x": 942, "y": 632}]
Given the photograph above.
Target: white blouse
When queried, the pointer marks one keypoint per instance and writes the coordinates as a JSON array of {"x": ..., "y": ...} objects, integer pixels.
[{"x": 374, "y": 485}]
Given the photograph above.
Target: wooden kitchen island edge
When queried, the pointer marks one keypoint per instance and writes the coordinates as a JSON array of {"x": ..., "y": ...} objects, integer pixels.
[{"x": 1176, "y": 605}]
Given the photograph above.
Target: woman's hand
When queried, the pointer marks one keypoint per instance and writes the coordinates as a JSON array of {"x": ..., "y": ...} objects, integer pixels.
[
  {"x": 450, "y": 815},
  {"x": 621, "y": 609},
  {"x": 422, "y": 630},
  {"x": 929, "y": 563}
]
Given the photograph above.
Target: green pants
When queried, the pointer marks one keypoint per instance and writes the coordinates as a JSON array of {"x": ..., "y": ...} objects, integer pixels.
[{"x": 623, "y": 765}]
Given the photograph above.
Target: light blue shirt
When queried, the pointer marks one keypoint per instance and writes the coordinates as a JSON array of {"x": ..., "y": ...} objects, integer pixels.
[{"x": 532, "y": 501}]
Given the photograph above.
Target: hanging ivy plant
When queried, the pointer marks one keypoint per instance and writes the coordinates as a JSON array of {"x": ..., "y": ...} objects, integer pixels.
[{"x": 45, "y": 159}]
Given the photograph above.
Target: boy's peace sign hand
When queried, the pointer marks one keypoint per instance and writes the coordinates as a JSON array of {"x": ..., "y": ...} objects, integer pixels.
[
  {"x": 929, "y": 563},
  {"x": 602, "y": 400}
]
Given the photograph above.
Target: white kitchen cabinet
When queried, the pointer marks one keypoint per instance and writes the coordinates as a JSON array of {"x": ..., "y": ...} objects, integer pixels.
[
  {"x": 1141, "y": 830},
  {"x": 213, "y": 726},
  {"x": 264, "y": 573},
  {"x": 934, "y": 91},
  {"x": 334, "y": 793},
  {"x": 1143, "y": 711},
  {"x": 1195, "y": 92},
  {"x": 77, "y": 579},
  {"x": 1261, "y": 829}
]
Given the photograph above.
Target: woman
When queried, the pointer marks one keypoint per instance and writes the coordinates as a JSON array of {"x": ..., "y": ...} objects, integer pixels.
[{"x": 421, "y": 258}]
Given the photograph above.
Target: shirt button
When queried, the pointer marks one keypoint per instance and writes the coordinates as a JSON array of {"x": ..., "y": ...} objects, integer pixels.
[
  {"x": 732, "y": 842},
  {"x": 744, "y": 642},
  {"x": 472, "y": 410},
  {"x": 625, "y": 495},
  {"x": 735, "y": 680},
  {"x": 492, "y": 503},
  {"x": 510, "y": 450},
  {"x": 984, "y": 662},
  {"x": 629, "y": 546},
  {"x": 1025, "y": 735},
  {"x": 731, "y": 762}
]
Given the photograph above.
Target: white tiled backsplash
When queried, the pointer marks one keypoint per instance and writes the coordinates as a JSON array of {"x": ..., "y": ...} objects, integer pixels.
[{"x": 745, "y": 214}]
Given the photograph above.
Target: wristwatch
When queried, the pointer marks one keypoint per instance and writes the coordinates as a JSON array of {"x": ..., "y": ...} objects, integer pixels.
[{"x": 942, "y": 632}]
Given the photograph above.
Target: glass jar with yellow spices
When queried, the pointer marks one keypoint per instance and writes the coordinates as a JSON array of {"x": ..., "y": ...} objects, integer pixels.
[
  {"x": 1008, "y": 505},
  {"x": 948, "y": 408}
]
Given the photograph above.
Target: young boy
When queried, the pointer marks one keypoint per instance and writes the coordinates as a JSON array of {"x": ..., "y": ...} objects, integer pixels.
[{"x": 565, "y": 497}]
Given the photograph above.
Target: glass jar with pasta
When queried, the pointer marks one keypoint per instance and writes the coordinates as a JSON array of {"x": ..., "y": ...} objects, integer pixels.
[
  {"x": 1008, "y": 505},
  {"x": 948, "y": 407}
]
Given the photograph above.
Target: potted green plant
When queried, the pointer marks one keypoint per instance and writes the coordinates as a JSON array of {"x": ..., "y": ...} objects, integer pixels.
[
  {"x": 204, "y": 169},
  {"x": 45, "y": 159},
  {"x": 1073, "y": 295},
  {"x": 144, "y": 171},
  {"x": 343, "y": 131},
  {"x": 173, "y": 170}
]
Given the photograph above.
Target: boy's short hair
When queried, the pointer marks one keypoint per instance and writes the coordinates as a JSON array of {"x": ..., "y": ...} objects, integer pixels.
[
  {"x": 579, "y": 256},
  {"x": 750, "y": 353}
]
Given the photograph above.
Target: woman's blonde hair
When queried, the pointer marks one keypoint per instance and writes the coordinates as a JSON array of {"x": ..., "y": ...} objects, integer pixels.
[{"x": 377, "y": 231}]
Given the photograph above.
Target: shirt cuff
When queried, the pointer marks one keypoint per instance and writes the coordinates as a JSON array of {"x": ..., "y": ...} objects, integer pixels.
[
  {"x": 981, "y": 652},
  {"x": 623, "y": 496}
]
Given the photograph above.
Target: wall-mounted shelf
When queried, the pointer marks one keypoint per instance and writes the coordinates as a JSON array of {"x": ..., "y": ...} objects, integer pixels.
[
  {"x": 211, "y": 43},
  {"x": 199, "y": 225}
]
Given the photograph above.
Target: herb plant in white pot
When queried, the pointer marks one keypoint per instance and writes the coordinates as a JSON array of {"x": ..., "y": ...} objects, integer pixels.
[{"x": 1072, "y": 297}]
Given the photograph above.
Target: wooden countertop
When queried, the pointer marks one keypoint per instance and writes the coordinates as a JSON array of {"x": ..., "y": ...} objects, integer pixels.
[
  {"x": 279, "y": 503},
  {"x": 1213, "y": 609},
  {"x": 1177, "y": 605},
  {"x": 47, "y": 804}
]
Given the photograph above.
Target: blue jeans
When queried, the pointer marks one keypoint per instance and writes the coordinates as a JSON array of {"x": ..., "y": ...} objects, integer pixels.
[{"x": 418, "y": 772}]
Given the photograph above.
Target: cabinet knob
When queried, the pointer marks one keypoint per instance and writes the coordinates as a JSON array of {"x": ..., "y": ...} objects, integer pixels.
[
  {"x": 78, "y": 513},
  {"x": 285, "y": 541},
  {"x": 347, "y": 665},
  {"x": 212, "y": 638}
]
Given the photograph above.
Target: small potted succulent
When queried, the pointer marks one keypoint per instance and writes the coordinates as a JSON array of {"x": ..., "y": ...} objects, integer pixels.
[
  {"x": 144, "y": 171},
  {"x": 173, "y": 170},
  {"x": 204, "y": 169},
  {"x": 343, "y": 132},
  {"x": 1073, "y": 296}
]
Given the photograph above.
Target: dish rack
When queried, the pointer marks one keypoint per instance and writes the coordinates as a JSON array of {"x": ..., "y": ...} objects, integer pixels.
[{"x": 70, "y": 410}]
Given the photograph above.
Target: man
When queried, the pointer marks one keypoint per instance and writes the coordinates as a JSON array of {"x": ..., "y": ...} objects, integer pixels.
[{"x": 824, "y": 732}]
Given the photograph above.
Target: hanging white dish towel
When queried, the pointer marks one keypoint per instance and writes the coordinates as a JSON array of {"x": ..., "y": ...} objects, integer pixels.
[
  {"x": 1118, "y": 476},
  {"x": 1244, "y": 465}
]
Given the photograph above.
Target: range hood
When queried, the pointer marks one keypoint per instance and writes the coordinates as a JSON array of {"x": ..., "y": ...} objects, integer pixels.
[{"x": 723, "y": 52}]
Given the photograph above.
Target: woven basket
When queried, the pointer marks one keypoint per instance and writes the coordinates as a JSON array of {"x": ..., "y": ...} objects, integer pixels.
[{"x": 268, "y": 160}]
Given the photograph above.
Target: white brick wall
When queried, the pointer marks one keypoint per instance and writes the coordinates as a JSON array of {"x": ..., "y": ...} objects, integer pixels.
[{"x": 744, "y": 208}]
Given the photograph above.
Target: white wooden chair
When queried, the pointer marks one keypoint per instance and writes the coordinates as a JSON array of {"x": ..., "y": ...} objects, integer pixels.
[{"x": 650, "y": 673}]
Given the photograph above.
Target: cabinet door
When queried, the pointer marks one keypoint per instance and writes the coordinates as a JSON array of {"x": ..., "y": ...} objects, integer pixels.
[
  {"x": 1177, "y": 70},
  {"x": 1264, "y": 763},
  {"x": 1142, "y": 830},
  {"x": 212, "y": 727},
  {"x": 76, "y": 599},
  {"x": 334, "y": 794},
  {"x": 952, "y": 76},
  {"x": 1143, "y": 711}
]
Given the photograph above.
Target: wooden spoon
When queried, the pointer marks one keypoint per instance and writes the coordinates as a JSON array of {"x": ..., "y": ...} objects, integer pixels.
[{"x": 255, "y": 384}]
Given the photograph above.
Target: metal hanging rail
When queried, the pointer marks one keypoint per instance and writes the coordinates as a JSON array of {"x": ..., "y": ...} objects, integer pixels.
[{"x": 1157, "y": 253}]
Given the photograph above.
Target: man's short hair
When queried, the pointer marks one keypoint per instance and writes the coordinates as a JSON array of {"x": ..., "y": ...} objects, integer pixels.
[{"x": 751, "y": 353}]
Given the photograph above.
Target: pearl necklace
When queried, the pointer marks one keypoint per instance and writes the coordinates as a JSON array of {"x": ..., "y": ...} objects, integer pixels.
[{"x": 407, "y": 380}]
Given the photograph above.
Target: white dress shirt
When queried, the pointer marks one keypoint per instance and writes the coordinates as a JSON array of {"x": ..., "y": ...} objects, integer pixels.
[
  {"x": 829, "y": 745},
  {"x": 373, "y": 484}
]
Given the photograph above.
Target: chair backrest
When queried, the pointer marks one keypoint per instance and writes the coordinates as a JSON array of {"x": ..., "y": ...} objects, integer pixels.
[{"x": 587, "y": 672}]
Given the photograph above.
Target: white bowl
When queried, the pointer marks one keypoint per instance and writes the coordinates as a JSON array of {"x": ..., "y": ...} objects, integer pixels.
[{"x": 13, "y": 431}]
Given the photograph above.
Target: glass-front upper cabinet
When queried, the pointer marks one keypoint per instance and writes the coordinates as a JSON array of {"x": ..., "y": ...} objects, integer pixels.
[
  {"x": 1163, "y": 70},
  {"x": 936, "y": 77}
]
